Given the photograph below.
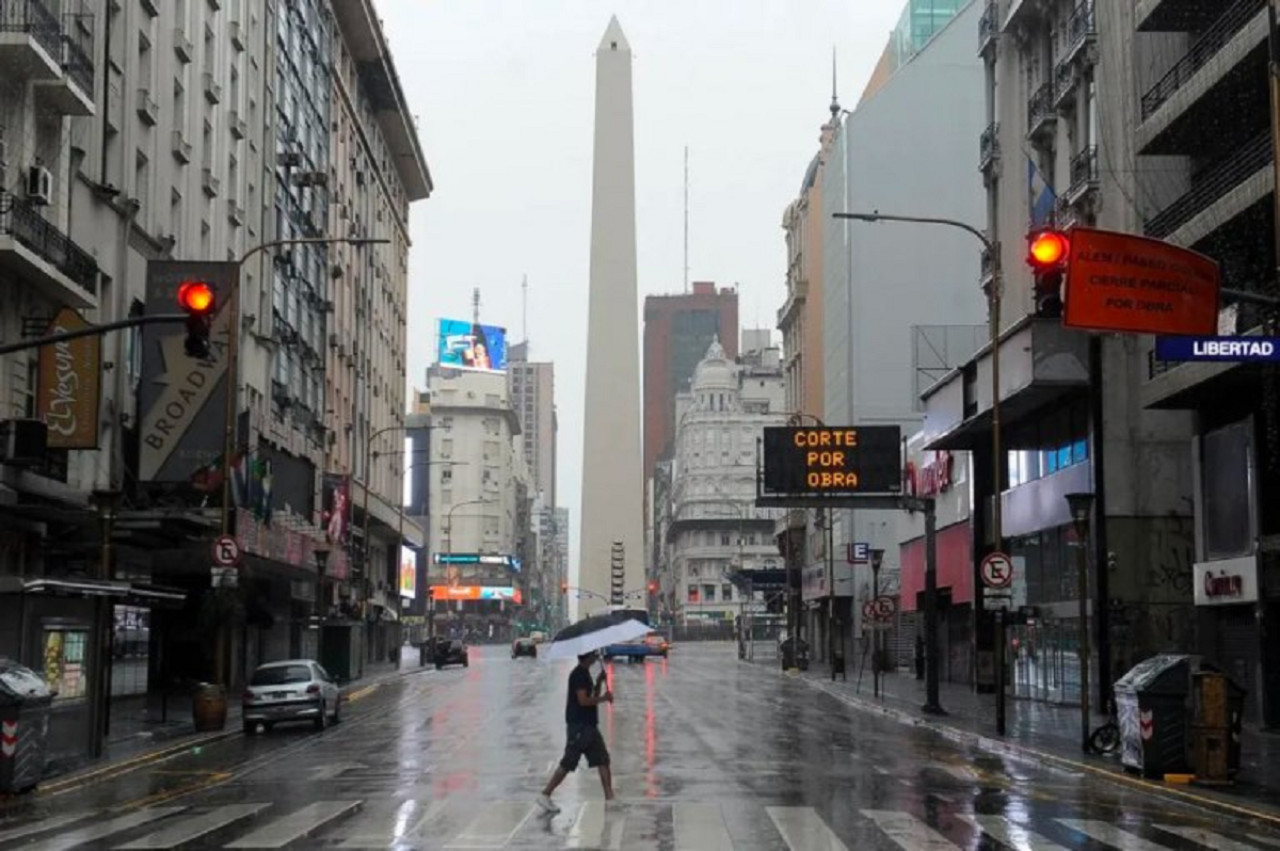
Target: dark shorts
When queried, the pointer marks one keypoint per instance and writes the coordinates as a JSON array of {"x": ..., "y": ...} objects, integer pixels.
[{"x": 584, "y": 741}]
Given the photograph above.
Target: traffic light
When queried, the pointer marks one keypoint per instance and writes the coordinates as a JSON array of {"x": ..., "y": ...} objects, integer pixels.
[
  {"x": 564, "y": 587},
  {"x": 1047, "y": 252},
  {"x": 653, "y": 587},
  {"x": 197, "y": 299}
]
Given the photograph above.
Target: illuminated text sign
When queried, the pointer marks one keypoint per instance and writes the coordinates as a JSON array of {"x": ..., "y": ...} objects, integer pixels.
[{"x": 827, "y": 460}]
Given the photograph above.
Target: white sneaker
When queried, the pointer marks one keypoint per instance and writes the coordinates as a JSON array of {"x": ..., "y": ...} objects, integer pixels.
[{"x": 547, "y": 805}]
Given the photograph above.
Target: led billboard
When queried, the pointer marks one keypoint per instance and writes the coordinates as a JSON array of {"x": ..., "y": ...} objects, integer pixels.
[
  {"x": 476, "y": 592},
  {"x": 408, "y": 573},
  {"x": 464, "y": 345}
]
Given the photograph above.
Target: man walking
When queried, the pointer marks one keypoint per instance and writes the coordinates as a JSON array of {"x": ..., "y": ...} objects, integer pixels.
[{"x": 581, "y": 716}]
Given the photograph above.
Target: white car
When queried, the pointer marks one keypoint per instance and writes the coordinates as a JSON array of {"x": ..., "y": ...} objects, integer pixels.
[{"x": 291, "y": 690}]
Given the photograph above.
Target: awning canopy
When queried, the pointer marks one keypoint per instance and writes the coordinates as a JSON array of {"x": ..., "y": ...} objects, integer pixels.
[{"x": 131, "y": 592}]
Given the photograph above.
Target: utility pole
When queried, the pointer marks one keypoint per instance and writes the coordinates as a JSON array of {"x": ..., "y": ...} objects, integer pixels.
[{"x": 686, "y": 219}]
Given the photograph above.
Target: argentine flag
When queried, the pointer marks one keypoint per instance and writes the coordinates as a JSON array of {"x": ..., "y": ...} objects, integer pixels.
[{"x": 1043, "y": 198}]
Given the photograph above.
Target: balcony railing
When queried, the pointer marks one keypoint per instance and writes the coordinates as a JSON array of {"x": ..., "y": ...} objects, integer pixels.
[
  {"x": 988, "y": 27},
  {"x": 77, "y": 61},
  {"x": 1081, "y": 28},
  {"x": 1211, "y": 186},
  {"x": 35, "y": 18},
  {"x": 989, "y": 146},
  {"x": 1084, "y": 169},
  {"x": 1205, "y": 48},
  {"x": 20, "y": 220},
  {"x": 1064, "y": 83},
  {"x": 1040, "y": 112}
]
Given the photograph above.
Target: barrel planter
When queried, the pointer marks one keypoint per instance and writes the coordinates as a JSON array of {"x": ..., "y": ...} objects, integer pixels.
[{"x": 209, "y": 707}]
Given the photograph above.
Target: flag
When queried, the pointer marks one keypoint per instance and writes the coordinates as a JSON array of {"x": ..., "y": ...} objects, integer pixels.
[{"x": 1043, "y": 198}]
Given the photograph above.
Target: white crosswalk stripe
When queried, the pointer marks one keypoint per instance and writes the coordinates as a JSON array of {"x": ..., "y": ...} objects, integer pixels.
[
  {"x": 196, "y": 827},
  {"x": 1109, "y": 834},
  {"x": 1206, "y": 838},
  {"x": 596, "y": 826},
  {"x": 409, "y": 824},
  {"x": 1269, "y": 841},
  {"x": 103, "y": 829},
  {"x": 804, "y": 830},
  {"x": 494, "y": 827},
  {"x": 1014, "y": 835},
  {"x": 909, "y": 832},
  {"x": 297, "y": 825},
  {"x": 700, "y": 827},
  {"x": 42, "y": 826}
]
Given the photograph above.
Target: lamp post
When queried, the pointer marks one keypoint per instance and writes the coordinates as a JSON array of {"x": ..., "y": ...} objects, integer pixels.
[
  {"x": 448, "y": 545},
  {"x": 1081, "y": 505},
  {"x": 877, "y": 559},
  {"x": 795, "y": 418}
]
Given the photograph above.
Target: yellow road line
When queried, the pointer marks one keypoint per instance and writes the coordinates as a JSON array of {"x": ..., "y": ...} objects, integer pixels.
[
  {"x": 360, "y": 694},
  {"x": 109, "y": 771}
]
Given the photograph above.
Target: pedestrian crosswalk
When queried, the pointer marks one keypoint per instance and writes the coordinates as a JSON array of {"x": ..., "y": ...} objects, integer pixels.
[{"x": 456, "y": 823}]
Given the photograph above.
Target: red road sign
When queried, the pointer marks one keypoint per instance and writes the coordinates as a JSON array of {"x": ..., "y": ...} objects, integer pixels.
[
  {"x": 997, "y": 571},
  {"x": 226, "y": 551}
]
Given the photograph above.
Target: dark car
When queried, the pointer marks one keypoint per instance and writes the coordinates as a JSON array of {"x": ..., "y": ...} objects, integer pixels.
[
  {"x": 524, "y": 647},
  {"x": 451, "y": 653}
]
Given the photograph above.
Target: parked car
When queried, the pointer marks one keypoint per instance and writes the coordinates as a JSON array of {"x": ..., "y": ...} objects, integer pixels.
[
  {"x": 291, "y": 690},
  {"x": 451, "y": 653},
  {"x": 538, "y": 637},
  {"x": 657, "y": 644},
  {"x": 524, "y": 647}
]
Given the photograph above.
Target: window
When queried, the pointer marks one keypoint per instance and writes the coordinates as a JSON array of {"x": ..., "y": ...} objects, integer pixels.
[
  {"x": 64, "y": 662},
  {"x": 709, "y": 593},
  {"x": 693, "y": 593},
  {"x": 724, "y": 539},
  {"x": 1226, "y": 479},
  {"x": 726, "y": 592}
]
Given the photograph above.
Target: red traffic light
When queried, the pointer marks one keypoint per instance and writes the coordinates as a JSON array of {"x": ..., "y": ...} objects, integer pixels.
[
  {"x": 653, "y": 587},
  {"x": 1047, "y": 249},
  {"x": 564, "y": 587},
  {"x": 196, "y": 297}
]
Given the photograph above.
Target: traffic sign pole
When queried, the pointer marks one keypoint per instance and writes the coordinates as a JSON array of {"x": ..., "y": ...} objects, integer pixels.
[{"x": 1000, "y": 672}]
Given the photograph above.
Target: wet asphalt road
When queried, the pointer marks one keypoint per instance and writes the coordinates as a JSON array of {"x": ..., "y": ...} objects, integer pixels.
[{"x": 709, "y": 753}]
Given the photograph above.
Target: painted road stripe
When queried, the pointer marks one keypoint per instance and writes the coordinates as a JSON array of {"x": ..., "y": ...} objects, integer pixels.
[
  {"x": 333, "y": 769},
  {"x": 1111, "y": 835},
  {"x": 1269, "y": 841},
  {"x": 1014, "y": 835},
  {"x": 495, "y": 827},
  {"x": 42, "y": 826},
  {"x": 404, "y": 826},
  {"x": 909, "y": 832},
  {"x": 196, "y": 827},
  {"x": 297, "y": 825},
  {"x": 596, "y": 827},
  {"x": 804, "y": 830},
  {"x": 959, "y": 772},
  {"x": 103, "y": 829},
  {"x": 700, "y": 827},
  {"x": 1206, "y": 838}
]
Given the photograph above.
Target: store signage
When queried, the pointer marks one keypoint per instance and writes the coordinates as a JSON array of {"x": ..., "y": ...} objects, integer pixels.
[
  {"x": 932, "y": 478},
  {"x": 1226, "y": 582},
  {"x": 477, "y": 558},
  {"x": 833, "y": 461},
  {"x": 1229, "y": 349},
  {"x": 1121, "y": 282},
  {"x": 69, "y": 386},
  {"x": 476, "y": 592},
  {"x": 408, "y": 573}
]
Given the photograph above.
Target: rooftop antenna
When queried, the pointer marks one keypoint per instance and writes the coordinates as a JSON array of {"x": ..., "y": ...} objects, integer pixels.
[
  {"x": 686, "y": 219},
  {"x": 524, "y": 308},
  {"x": 835, "y": 100}
]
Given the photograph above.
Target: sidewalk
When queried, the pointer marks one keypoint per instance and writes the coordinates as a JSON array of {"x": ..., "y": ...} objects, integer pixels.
[
  {"x": 1046, "y": 731},
  {"x": 134, "y": 736}
]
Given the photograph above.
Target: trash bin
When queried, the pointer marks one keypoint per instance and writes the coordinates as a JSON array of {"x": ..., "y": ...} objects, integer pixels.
[
  {"x": 1152, "y": 713},
  {"x": 209, "y": 707},
  {"x": 24, "y": 727},
  {"x": 1215, "y": 733}
]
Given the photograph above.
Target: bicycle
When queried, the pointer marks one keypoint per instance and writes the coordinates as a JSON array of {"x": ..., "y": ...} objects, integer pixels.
[{"x": 1106, "y": 738}]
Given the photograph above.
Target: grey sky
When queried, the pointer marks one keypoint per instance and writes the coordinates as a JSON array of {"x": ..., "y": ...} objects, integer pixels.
[{"x": 503, "y": 90}]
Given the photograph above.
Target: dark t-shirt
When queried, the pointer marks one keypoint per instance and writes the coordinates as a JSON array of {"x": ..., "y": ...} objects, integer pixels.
[{"x": 575, "y": 714}]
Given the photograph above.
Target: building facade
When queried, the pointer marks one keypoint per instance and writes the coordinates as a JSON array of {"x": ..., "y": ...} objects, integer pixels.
[
  {"x": 717, "y": 541},
  {"x": 533, "y": 386}
]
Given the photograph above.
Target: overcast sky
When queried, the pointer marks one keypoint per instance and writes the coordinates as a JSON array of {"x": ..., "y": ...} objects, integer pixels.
[{"x": 503, "y": 95}]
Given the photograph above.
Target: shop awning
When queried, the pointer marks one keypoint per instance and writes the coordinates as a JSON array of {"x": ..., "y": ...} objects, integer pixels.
[{"x": 131, "y": 592}]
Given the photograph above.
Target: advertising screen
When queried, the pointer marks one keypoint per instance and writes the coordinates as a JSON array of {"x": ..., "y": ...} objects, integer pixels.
[
  {"x": 833, "y": 460},
  {"x": 464, "y": 345},
  {"x": 408, "y": 573},
  {"x": 476, "y": 592}
]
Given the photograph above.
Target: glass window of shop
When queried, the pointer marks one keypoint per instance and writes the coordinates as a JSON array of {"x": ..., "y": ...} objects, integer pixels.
[
  {"x": 1050, "y": 564},
  {"x": 1227, "y": 479},
  {"x": 1048, "y": 444}
]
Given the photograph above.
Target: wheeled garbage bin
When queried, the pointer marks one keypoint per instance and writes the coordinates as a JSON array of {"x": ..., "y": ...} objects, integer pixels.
[
  {"x": 24, "y": 727},
  {"x": 1153, "y": 716}
]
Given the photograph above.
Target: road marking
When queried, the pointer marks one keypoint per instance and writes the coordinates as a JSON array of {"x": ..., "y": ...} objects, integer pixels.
[
  {"x": 1265, "y": 840},
  {"x": 959, "y": 772},
  {"x": 597, "y": 827},
  {"x": 42, "y": 826},
  {"x": 332, "y": 770},
  {"x": 700, "y": 827},
  {"x": 1008, "y": 832},
  {"x": 361, "y": 693},
  {"x": 400, "y": 831},
  {"x": 101, "y": 830},
  {"x": 909, "y": 832},
  {"x": 297, "y": 825},
  {"x": 495, "y": 827},
  {"x": 196, "y": 827},
  {"x": 1111, "y": 835},
  {"x": 1206, "y": 838},
  {"x": 804, "y": 830}
]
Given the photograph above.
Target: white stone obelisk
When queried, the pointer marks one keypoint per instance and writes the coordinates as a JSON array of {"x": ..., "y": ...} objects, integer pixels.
[{"x": 612, "y": 482}]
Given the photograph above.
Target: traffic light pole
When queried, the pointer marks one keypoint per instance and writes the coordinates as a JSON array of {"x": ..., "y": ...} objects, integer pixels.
[{"x": 92, "y": 331}]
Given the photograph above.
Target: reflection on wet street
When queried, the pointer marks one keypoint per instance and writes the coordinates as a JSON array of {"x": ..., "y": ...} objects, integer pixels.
[{"x": 708, "y": 753}]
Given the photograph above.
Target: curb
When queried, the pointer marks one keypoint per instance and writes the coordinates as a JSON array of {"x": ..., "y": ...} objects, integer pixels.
[{"x": 1268, "y": 815}]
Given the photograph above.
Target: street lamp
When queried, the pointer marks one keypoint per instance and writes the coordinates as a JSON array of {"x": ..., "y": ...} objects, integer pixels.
[
  {"x": 877, "y": 559},
  {"x": 448, "y": 539},
  {"x": 1081, "y": 505}
]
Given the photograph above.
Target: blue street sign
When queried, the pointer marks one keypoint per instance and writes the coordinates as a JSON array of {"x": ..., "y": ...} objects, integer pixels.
[
  {"x": 1226, "y": 349},
  {"x": 859, "y": 553}
]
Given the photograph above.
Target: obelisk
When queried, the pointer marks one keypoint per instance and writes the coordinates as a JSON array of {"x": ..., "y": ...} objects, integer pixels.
[{"x": 612, "y": 484}]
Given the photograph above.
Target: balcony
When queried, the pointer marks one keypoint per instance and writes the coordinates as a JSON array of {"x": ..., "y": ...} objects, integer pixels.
[
  {"x": 212, "y": 88},
  {"x": 148, "y": 109},
  {"x": 1066, "y": 215},
  {"x": 30, "y": 39},
  {"x": 1084, "y": 176},
  {"x": 37, "y": 252},
  {"x": 1210, "y": 42},
  {"x": 235, "y": 31},
  {"x": 71, "y": 93},
  {"x": 238, "y": 126},
  {"x": 182, "y": 46},
  {"x": 235, "y": 213},
  {"x": 1064, "y": 86},
  {"x": 1213, "y": 185},
  {"x": 989, "y": 28},
  {"x": 1041, "y": 117},
  {"x": 989, "y": 147},
  {"x": 150, "y": 7},
  {"x": 1082, "y": 34},
  {"x": 210, "y": 183},
  {"x": 181, "y": 148}
]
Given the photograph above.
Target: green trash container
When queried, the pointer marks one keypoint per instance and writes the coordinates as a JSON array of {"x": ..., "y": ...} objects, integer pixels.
[
  {"x": 1153, "y": 713},
  {"x": 24, "y": 727}
]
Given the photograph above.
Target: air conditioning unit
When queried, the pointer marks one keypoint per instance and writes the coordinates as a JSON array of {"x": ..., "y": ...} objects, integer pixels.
[
  {"x": 39, "y": 185},
  {"x": 334, "y": 339},
  {"x": 23, "y": 443},
  {"x": 290, "y": 159}
]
